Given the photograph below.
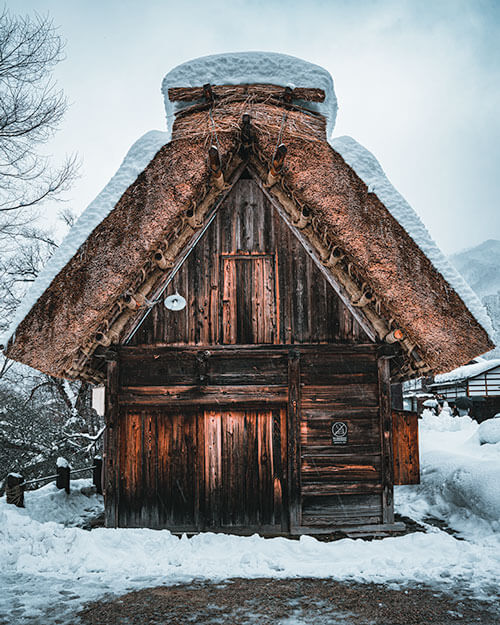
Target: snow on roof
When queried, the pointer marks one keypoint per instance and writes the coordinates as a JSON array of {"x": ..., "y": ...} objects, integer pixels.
[
  {"x": 370, "y": 171},
  {"x": 467, "y": 371},
  {"x": 138, "y": 157},
  {"x": 243, "y": 68}
]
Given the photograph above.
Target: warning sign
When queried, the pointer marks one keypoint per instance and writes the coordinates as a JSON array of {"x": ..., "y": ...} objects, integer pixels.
[{"x": 339, "y": 433}]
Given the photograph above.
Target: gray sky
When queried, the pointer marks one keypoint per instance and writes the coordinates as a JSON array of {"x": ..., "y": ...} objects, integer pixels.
[{"x": 418, "y": 84}]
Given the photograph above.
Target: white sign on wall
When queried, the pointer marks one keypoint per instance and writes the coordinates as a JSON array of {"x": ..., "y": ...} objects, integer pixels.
[{"x": 98, "y": 398}]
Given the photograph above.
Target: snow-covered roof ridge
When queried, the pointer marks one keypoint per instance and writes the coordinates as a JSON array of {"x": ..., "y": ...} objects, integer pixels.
[
  {"x": 241, "y": 68},
  {"x": 370, "y": 171},
  {"x": 467, "y": 371},
  {"x": 137, "y": 159}
]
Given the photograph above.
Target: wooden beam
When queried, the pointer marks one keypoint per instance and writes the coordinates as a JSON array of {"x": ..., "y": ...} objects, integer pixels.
[
  {"x": 182, "y": 396},
  {"x": 111, "y": 446},
  {"x": 384, "y": 385},
  {"x": 294, "y": 494},
  {"x": 192, "y": 94}
]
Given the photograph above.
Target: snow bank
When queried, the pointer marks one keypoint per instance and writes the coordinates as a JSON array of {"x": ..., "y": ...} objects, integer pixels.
[
  {"x": 49, "y": 570},
  {"x": 489, "y": 432},
  {"x": 243, "y": 68},
  {"x": 53, "y": 504},
  {"x": 467, "y": 371},
  {"x": 134, "y": 163},
  {"x": 370, "y": 171},
  {"x": 460, "y": 478},
  {"x": 45, "y": 565}
]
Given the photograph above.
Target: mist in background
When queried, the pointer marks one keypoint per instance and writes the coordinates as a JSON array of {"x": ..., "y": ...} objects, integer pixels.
[{"x": 418, "y": 84}]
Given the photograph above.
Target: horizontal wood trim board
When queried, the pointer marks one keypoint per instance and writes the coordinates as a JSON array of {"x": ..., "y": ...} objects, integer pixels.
[
  {"x": 202, "y": 395},
  {"x": 362, "y": 395},
  {"x": 340, "y": 519},
  {"x": 338, "y": 451},
  {"x": 323, "y": 375},
  {"x": 313, "y": 489},
  {"x": 191, "y": 94},
  {"x": 324, "y": 413},
  {"x": 237, "y": 350}
]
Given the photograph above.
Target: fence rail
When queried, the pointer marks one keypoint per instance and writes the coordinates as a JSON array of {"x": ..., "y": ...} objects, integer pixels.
[{"x": 15, "y": 483}]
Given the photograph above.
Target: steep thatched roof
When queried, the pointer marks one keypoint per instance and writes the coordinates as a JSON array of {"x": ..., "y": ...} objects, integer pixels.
[{"x": 96, "y": 298}]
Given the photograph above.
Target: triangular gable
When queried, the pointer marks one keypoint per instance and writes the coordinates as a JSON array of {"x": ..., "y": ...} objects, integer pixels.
[{"x": 249, "y": 279}]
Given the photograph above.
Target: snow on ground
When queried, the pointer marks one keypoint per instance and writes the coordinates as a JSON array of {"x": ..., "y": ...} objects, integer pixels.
[
  {"x": 246, "y": 68},
  {"x": 134, "y": 163},
  {"x": 370, "y": 171},
  {"x": 50, "y": 568},
  {"x": 460, "y": 475}
]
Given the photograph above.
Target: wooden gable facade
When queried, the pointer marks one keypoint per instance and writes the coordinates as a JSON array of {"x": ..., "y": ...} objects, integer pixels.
[{"x": 262, "y": 405}]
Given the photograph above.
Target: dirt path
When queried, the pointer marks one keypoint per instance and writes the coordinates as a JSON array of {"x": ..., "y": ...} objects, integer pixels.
[{"x": 289, "y": 602}]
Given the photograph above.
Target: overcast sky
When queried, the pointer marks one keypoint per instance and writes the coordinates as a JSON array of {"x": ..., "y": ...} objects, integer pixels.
[{"x": 418, "y": 84}]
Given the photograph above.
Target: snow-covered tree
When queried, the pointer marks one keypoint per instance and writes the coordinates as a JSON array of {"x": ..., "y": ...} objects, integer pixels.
[{"x": 41, "y": 417}]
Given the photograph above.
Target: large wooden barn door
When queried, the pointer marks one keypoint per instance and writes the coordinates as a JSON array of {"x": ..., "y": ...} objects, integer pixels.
[{"x": 191, "y": 470}]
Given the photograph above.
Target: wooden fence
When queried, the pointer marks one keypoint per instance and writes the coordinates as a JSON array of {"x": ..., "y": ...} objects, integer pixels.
[{"x": 15, "y": 483}]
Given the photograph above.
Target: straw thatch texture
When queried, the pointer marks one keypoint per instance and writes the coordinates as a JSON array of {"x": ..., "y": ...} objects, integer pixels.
[{"x": 413, "y": 292}]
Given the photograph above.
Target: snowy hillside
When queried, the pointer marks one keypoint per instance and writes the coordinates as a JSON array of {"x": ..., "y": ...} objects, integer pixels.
[
  {"x": 50, "y": 567},
  {"x": 480, "y": 266}
]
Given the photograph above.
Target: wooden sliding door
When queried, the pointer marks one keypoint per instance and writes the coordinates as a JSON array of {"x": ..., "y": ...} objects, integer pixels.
[{"x": 207, "y": 469}]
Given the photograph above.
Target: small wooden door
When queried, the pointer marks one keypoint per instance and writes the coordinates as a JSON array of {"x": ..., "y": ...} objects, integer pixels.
[{"x": 249, "y": 310}]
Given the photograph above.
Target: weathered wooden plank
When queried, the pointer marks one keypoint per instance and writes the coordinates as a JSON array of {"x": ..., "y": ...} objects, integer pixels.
[
  {"x": 355, "y": 509},
  {"x": 213, "y": 466},
  {"x": 111, "y": 446},
  {"x": 321, "y": 489},
  {"x": 323, "y": 375},
  {"x": 386, "y": 440},
  {"x": 362, "y": 395},
  {"x": 405, "y": 447},
  {"x": 265, "y": 351},
  {"x": 347, "y": 469},
  {"x": 322, "y": 413},
  {"x": 202, "y": 395}
]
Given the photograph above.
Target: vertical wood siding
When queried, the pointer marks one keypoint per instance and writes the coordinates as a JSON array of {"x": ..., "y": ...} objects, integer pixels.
[
  {"x": 405, "y": 447},
  {"x": 250, "y": 281},
  {"x": 205, "y": 469}
]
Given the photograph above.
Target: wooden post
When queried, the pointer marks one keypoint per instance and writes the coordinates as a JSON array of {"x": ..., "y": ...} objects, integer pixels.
[
  {"x": 14, "y": 489},
  {"x": 294, "y": 497},
  {"x": 384, "y": 385},
  {"x": 63, "y": 474},
  {"x": 97, "y": 474},
  {"x": 111, "y": 465}
]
